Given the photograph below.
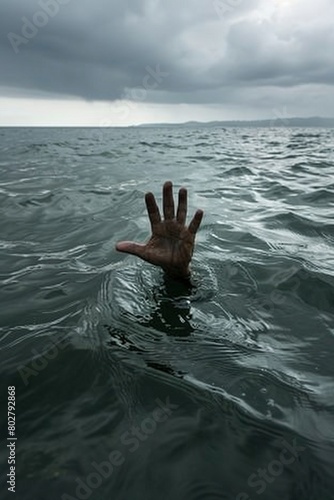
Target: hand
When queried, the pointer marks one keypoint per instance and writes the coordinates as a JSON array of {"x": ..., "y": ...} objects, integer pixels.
[{"x": 172, "y": 243}]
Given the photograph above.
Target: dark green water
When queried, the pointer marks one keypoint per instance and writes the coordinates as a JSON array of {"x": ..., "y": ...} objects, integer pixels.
[{"x": 130, "y": 387}]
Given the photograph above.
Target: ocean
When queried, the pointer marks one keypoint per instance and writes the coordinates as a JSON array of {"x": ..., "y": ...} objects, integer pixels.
[{"x": 124, "y": 385}]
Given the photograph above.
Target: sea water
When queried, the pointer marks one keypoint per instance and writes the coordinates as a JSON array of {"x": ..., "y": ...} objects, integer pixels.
[{"x": 130, "y": 386}]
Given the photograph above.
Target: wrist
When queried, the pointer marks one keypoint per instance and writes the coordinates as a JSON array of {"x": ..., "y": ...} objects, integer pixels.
[{"x": 182, "y": 273}]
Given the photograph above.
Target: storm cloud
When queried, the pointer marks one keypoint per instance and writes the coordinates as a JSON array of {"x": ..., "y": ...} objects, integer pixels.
[{"x": 264, "y": 52}]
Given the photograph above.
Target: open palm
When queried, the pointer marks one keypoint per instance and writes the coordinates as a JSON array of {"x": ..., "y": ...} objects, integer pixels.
[{"x": 172, "y": 242}]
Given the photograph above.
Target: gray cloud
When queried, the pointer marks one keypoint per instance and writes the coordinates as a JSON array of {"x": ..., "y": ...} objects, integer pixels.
[{"x": 219, "y": 51}]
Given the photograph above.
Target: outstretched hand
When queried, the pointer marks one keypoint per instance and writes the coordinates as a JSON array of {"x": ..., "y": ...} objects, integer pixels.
[{"x": 172, "y": 243}]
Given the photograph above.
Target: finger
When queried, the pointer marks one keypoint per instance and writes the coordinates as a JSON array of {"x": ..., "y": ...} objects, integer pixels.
[
  {"x": 131, "y": 247},
  {"x": 152, "y": 209},
  {"x": 182, "y": 207},
  {"x": 168, "y": 202},
  {"x": 196, "y": 221}
]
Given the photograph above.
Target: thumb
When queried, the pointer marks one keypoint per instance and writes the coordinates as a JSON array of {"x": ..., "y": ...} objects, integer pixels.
[{"x": 131, "y": 247}]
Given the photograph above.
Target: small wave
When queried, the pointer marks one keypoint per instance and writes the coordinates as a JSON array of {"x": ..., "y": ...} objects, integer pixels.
[
  {"x": 234, "y": 238},
  {"x": 200, "y": 158},
  {"x": 99, "y": 191},
  {"x": 299, "y": 146},
  {"x": 300, "y": 166},
  {"x": 298, "y": 224},
  {"x": 109, "y": 154},
  {"x": 278, "y": 190},
  {"x": 320, "y": 196},
  {"x": 312, "y": 288},
  {"x": 321, "y": 164},
  {"x": 238, "y": 171},
  {"x": 161, "y": 145},
  {"x": 305, "y": 135},
  {"x": 202, "y": 145},
  {"x": 44, "y": 198}
]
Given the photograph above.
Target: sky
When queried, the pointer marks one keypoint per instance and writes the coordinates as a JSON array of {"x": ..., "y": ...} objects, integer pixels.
[{"x": 126, "y": 62}]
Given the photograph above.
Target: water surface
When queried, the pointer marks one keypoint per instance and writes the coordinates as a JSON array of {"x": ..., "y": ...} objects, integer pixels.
[{"x": 220, "y": 391}]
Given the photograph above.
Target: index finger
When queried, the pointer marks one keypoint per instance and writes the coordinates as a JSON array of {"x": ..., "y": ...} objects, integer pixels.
[{"x": 152, "y": 209}]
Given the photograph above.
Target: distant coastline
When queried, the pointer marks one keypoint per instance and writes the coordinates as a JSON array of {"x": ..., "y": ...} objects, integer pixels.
[
  {"x": 312, "y": 122},
  {"x": 284, "y": 122}
]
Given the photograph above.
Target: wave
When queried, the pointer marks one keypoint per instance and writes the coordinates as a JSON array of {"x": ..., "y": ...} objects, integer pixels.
[
  {"x": 313, "y": 288},
  {"x": 320, "y": 197},
  {"x": 163, "y": 145},
  {"x": 298, "y": 224}
]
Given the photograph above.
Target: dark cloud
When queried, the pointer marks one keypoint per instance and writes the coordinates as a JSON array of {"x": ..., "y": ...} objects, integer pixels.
[{"x": 204, "y": 51}]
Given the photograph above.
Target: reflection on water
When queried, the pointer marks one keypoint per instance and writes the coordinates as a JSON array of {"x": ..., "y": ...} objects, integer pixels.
[
  {"x": 241, "y": 357},
  {"x": 171, "y": 311}
]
